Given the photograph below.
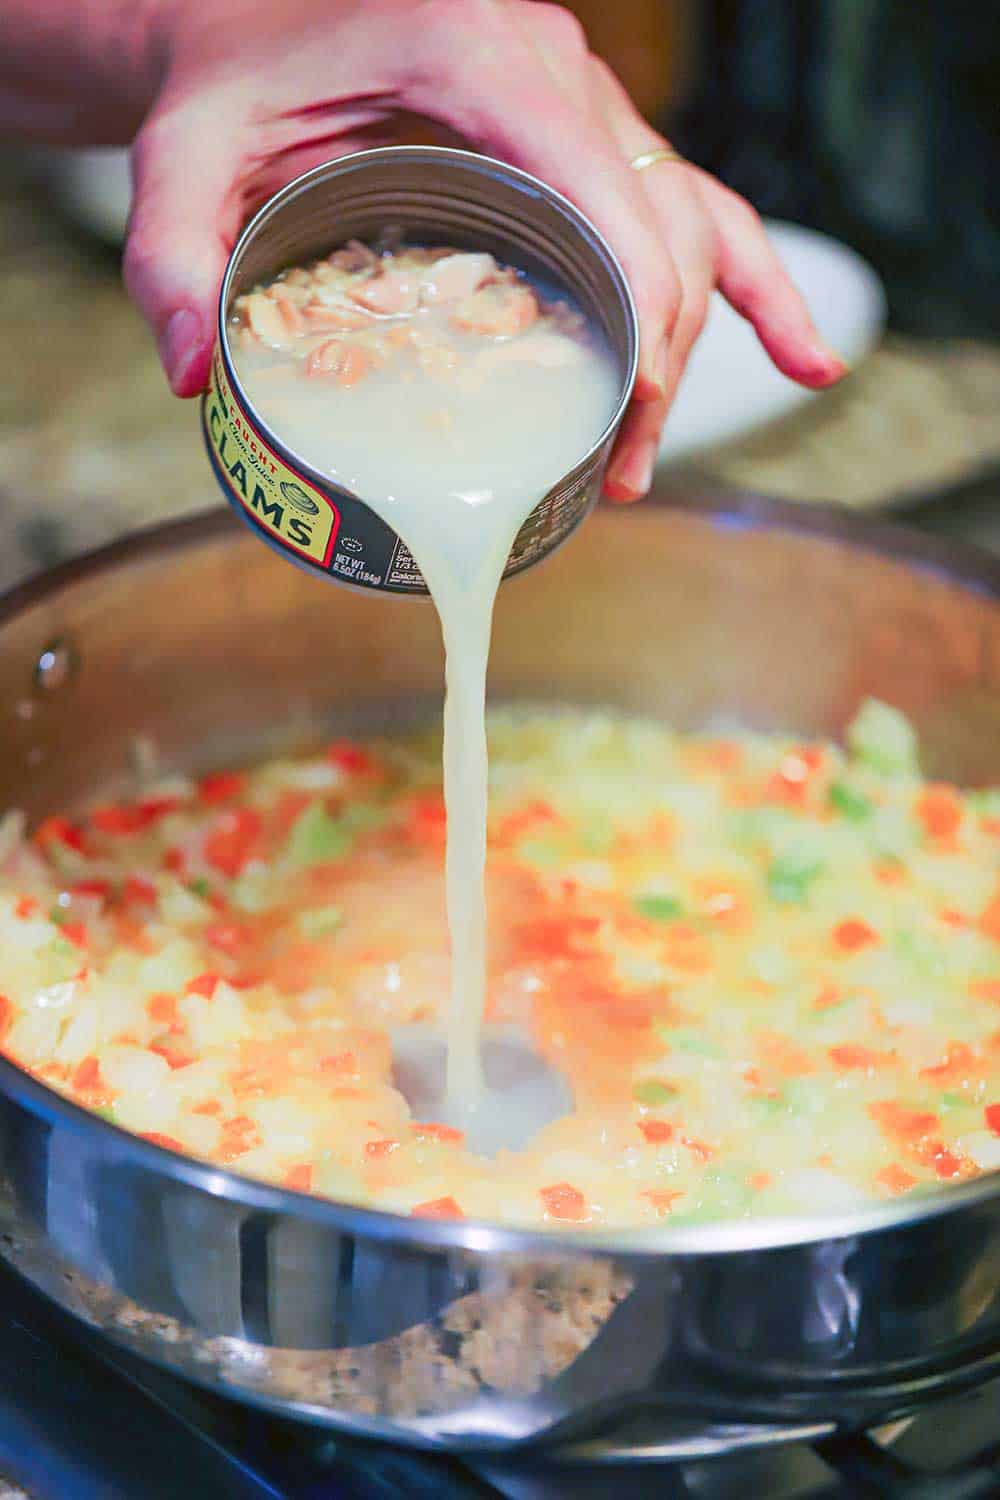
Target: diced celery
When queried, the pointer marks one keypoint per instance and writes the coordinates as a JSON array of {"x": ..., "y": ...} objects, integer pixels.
[
  {"x": 360, "y": 817},
  {"x": 653, "y": 1092},
  {"x": 849, "y": 802},
  {"x": 315, "y": 836},
  {"x": 199, "y": 887},
  {"x": 802, "y": 1096},
  {"x": 597, "y": 835},
  {"x": 766, "y": 1106},
  {"x": 920, "y": 950},
  {"x": 696, "y": 1045},
  {"x": 884, "y": 738},
  {"x": 539, "y": 853},
  {"x": 657, "y": 908},
  {"x": 789, "y": 877},
  {"x": 755, "y": 826},
  {"x": 726, "y": 1189},
  {"x": 320, "y": 921}
]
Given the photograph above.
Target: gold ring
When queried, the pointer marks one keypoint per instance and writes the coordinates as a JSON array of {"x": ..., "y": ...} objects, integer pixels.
[{"x": 650, "y": 158}]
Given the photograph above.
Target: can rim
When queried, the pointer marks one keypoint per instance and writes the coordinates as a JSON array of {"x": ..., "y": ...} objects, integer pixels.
[{"x": 470, "y": 158}]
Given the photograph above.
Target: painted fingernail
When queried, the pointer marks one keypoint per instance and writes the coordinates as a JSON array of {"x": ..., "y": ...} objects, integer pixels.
[{"x": 179, "y": 343}]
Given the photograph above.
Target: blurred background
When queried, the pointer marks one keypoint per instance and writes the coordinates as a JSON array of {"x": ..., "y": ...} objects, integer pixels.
[{"x": 866, "y": 131}]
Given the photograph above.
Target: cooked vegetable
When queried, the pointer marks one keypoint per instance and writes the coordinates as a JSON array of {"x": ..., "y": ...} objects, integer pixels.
[{"x": 772, "y": 973}]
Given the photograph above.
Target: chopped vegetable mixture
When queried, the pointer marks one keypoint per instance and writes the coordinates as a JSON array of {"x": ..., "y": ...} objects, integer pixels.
[{"x": 769, "y": 969}]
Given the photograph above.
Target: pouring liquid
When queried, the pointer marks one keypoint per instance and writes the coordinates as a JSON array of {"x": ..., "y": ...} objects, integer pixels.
[{"x": 452, "y": 440}]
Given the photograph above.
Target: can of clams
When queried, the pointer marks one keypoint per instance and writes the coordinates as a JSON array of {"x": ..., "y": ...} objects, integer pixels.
[{"x": 421, "y": 195}]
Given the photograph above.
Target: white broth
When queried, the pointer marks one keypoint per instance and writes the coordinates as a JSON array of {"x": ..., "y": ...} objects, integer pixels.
[{"x": 450, "y": 395}]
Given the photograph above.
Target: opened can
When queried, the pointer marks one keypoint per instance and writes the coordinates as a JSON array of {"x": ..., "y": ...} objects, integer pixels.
[{"x": 424, "y": 195}]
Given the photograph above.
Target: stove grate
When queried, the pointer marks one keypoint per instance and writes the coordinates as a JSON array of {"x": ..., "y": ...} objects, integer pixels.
[{"x": 80, "y": 1418}]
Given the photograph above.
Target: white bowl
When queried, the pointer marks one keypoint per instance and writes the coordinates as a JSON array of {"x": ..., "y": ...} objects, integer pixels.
[{"x": 730, "y": 387}]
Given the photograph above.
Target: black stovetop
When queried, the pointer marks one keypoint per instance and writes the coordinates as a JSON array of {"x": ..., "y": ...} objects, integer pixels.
[{"x": 80, "y": 1420}]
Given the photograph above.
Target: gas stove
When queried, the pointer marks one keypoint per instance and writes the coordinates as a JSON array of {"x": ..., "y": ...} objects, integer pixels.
[{"x": 81, "y": 1420}]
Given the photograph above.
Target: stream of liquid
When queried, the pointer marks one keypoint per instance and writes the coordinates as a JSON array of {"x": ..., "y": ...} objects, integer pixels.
[{"x": 453, "y": 440}]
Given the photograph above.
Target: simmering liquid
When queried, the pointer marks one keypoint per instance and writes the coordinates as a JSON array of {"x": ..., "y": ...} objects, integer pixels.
[{"x": 451, "y": 395}]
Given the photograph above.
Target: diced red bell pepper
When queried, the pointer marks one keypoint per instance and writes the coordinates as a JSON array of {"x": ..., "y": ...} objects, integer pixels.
[
  {"x": 98, "y": 888},
  {"x": 228, "y": 937},
  {"x": 852, "y": 935},
  {"x": 221, "y": 786},
  {"x": 940, "y": 811},
  {"x": 378, "y": 1149},
  {"x": 62, "y": 831},
  {"x": 75, "y": 933},
  {"x": 351, "y": 758},
  {"x": 563, "y": 1201},
  {"x": 156, "y": 1138},
  {"x": 231, "y": 842},
  {"x": 202, "y": 984},
  {"x": 432, "y": 1131},
  {"x": 299, "y": 1178},
  {"x": 138, "y": 892},
  {"x": 437, "y": 1208}
]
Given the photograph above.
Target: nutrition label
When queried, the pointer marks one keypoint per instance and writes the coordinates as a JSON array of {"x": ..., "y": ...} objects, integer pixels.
[
  {"x": 403, "y": 571},
  {"x": 549, "y": 522}
]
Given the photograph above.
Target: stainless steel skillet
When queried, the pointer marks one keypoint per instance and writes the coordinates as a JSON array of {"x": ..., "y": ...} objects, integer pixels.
[{"x": 464, "y": 1334}]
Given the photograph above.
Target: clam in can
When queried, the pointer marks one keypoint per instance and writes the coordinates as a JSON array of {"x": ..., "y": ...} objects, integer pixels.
[{"x": 423, "y": 195}]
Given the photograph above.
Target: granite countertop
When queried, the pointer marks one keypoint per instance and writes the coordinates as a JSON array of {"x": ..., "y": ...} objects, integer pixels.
[{"x": 92, "y": 444}]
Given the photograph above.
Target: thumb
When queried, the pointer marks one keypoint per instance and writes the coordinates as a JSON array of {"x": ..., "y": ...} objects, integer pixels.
[{"x": 184, "y": 221}]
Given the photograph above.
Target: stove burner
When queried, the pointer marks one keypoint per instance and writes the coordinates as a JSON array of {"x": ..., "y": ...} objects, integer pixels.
[{"x": 82, "y": 1419}]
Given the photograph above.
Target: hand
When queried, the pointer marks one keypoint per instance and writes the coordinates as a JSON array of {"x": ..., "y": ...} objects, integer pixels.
[{"x": 251, "y": 94}]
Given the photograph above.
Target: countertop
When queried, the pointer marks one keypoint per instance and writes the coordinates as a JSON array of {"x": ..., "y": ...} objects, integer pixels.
[{"x": 93, "y": 445}]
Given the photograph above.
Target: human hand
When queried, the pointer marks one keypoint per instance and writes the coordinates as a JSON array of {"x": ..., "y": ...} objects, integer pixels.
[{"x": 252, "y": 94}]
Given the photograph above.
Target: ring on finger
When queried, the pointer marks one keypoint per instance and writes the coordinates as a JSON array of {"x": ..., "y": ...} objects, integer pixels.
[{"x": 652, "y": 158}]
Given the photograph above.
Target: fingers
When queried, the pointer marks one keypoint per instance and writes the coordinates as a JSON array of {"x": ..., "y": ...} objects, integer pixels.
[
  {"x": 528, "y": 103},
  {"x": 185, "y": 217},
  {"x": 633, "y": 460},
  {"x": 630, "y": 471},
  {"x": 684, "y": 226},
  {"x": 756, "y": 284}
]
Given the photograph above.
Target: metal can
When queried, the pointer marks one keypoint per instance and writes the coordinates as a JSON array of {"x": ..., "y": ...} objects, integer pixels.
[{"x": 425, "y": 195}]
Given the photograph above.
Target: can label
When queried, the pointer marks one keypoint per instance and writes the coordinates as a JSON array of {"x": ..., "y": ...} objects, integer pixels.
[
  {"x": 326, "y": 528},
  {"x": 257, "y": 481},
  {"x": 552, "y": 521}
]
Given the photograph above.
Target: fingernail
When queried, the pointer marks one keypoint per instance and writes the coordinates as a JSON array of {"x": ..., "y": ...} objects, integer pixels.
[
  {"x": 179, "y": 342},
  {"x": 834, "y": 368},
  {"x": 631, "y": 478},
  {"x": 829, "y": 353},
  {"x": 651, "y": 381},
  {"x": 661, "y": 364}
]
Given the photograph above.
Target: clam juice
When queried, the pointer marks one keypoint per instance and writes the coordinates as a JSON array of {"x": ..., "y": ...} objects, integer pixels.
[{"x": 451, "y": 394}]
